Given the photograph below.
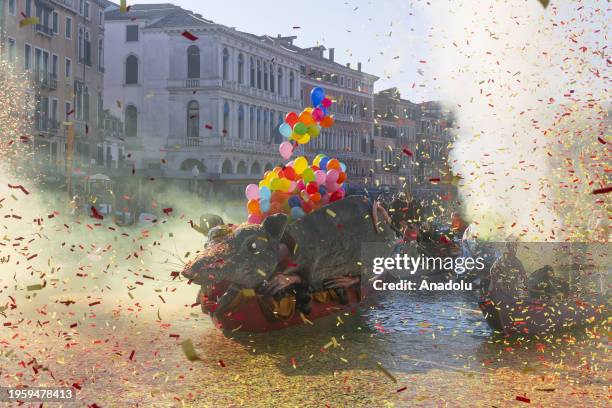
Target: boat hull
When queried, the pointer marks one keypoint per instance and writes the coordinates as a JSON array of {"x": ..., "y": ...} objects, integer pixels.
[{"x": 535, "y": 317}]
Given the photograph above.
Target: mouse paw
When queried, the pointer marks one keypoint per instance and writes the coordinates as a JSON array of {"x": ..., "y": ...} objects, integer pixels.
[{"x": 281, "y": 282}]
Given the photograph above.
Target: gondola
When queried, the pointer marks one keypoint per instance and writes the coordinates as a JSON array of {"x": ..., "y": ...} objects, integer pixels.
[
  {"x": 252, "y": 312},
  {"x": 510, "y": 315}
]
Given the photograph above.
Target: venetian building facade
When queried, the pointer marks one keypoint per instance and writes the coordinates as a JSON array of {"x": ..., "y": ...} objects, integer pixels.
[
  {"x": 204, "y": 108},
  {"x": 395, "y": 139},
  {"x": 64, "y": 54}
]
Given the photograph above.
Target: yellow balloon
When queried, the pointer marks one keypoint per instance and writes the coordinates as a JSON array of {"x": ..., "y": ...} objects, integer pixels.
[
  {"x": 309, "y": 109},
  {"x": 304, "y": 139},
  {"x": 295, "y": 136},
  {"x": 264, "y": 183},
  {"x": 300, "y": 164}
]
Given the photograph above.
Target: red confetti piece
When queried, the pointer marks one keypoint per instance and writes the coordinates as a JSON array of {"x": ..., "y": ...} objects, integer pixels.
[
  {"x": 402, "y": 389},
  {"x": 208, "y": 126},
  {"x": 94, "y": 303},
  {"x": 407, "y": 152},
  {"x": 168, "y": 210},
  {"x": 70, "y": 113},
  {"x": 20, "y": 187},
  {"x": 132, "y": 354},
  {"x": 523, "y": 399},
  {"x": 603, "y": 190},
  {"x": 435, "y": 180},
  {"x": 189, "y": 36},
  {"x": 221, "y": 363},
  {"x": 601, "y": 140},
  {"x": 96, "y": 214}
]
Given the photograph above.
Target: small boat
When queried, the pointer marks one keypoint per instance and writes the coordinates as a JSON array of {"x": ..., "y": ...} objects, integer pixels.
[
  {"x": 537, "y": 317},
  {"x": 252, "y": 312}
]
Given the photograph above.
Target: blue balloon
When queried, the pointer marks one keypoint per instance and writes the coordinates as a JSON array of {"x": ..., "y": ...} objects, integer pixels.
[
  {"x": 316, "y": 96},
  {"x": 265, "y": 193},
  {"x": 322, "y": 190},
  {"x": 297, "y": 212},
  {"x": 285, "y": 130},
  {"x": 325, "y": 111},
  {"x": 323, "y": 163},
  {"x": 264, "y": 205},
  {"x": 294, "y": 201},
  {"x": 343, "y": 167}
]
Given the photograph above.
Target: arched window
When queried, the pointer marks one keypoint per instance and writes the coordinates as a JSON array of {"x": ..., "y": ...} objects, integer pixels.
[
  {"x": 227, "y": 167},
  {"x": 252, "y": 130},
  {"x": 252, "y": 66},
  {"x": 131, "y": 121},
  {"x": 258, "y": 124},
  {"x": 240, "y": 69},
  {"x": 242, "y": 168},
  {"x": 226, "y": 118},
  {"x": 266, "y": 71},
  {"x": 291, "y": 84},
  {"x": 225, "y": 64},
  {"x": 131, "y": 70},
  {"x": 272, "y": 79},
  {"x": 193, "y": 62},
  {"x": 241, "y": 122},
  {"x": 193, "y": 120},
  {"x": 280, "y": 80},
  {"x": 259, "y": 74},
  {"x": 268, "y": 167},
  {"x": 256, "y": 168}
]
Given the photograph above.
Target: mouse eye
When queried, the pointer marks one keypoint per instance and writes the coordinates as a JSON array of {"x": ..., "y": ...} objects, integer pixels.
[{"x": 253, "y": 246}]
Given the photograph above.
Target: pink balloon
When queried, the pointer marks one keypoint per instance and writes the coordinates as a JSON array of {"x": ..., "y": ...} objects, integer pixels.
[
  {"x": 300, "y": 185},
  {"x": 320, "y": 176},
  {"x": 286, "y": 150},
  {"x": 293, "y": 186},
  {"x": 254, "y": 219},
  {"x": 332, "y": 176},
  {"x": 326, "y": 102},
  {"x": 252, "y": 192},
  {"x": 318, "y": 114},
  {"x": 332, "y": 186}
]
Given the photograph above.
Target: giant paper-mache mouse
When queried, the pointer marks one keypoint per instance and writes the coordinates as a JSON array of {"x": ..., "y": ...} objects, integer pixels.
[{"x": 324, "y": 250}]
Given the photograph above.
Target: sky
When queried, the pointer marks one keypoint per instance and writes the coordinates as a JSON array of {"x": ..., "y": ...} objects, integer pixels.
[{"x": 386, "y": 36}]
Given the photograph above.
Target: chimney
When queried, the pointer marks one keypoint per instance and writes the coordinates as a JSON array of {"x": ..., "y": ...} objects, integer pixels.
[
  {"x": 331, "y": 54},
  {"x": 359, "y": 66},
  {"x": 348, "y": 65}
]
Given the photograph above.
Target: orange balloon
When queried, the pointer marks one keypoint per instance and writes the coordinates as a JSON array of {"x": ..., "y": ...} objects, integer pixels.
[
  {"x": 253, "y": 207},
  {"x": 315, "y": 197},
  {"x": 341, "y": 178},
  {"x": 277, "y": 169},
  {"x": 333, "y": 164},
  {"x": 306, "y": 118},
  {"x": 327, "y": 122}
]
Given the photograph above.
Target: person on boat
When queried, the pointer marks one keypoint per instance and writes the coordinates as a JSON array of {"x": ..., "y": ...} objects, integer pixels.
[
  {"x": 508, "y": 274},
  {"x": 543, "y": 284}
]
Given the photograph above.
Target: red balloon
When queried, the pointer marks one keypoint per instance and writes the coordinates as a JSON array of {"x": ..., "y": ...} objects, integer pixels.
[
  {"x": 312, "y": 188},
  {"x": 307, "y": 207},
  {"x": 289, "y": 173},
  {"x": 292, "y": 118},
  {"x": 336, "y": 196},
  {"x": 326, "y": 102}
]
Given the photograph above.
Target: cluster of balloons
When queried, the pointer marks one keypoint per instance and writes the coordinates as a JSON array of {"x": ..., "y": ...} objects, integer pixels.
[
  {"x": 296, "y": 189},
  {"x": 301, "y": 128}
]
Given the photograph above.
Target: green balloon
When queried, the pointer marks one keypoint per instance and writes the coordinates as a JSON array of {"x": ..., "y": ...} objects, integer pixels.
[
  {"x": 314, "y": 130},
  {"x": 308, "y": 175},
  {"x": 300, "y": 128}
]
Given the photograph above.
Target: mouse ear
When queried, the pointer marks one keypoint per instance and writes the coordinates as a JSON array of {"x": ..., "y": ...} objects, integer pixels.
[{"x": 275, "y": 225}]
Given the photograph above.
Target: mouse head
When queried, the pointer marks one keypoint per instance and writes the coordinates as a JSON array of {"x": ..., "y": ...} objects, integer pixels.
[{"x": 243, "y": 255}]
